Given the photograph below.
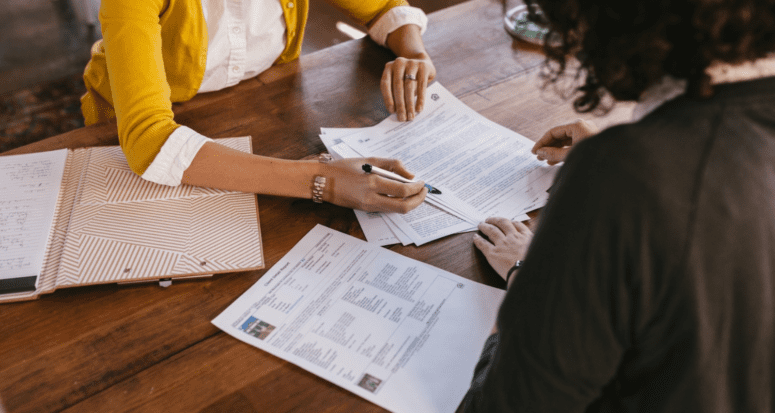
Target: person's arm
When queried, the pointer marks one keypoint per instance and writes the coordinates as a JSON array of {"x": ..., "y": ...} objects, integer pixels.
[
  {"x": 393, "y": 24},
  {"x": 566, "y": 320},
  {"x": 141, "y": 96},
  {"x": 132, "y": 41},
  {"x": 217, "y": 166},
  {"x": 557, "y": 142}
]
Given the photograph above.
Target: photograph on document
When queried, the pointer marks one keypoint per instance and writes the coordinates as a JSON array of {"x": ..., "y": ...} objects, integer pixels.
[
  {"x": 369, "y": 382},
  {"x": 257, "y": 328}
]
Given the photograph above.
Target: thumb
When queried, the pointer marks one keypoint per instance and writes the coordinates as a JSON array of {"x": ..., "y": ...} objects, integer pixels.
[{"x": 553, "y": 154}]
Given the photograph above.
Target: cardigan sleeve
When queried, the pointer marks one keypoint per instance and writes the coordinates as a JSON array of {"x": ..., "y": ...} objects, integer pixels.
[
  {"x": 141, "y": 94},
  {"x": 366, "y": 12}
]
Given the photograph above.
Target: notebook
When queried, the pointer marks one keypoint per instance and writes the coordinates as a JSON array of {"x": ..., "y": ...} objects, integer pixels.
[{"x": 81, "y": 217}]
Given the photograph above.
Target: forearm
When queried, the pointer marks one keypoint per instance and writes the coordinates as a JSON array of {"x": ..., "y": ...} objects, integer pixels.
[
  {"x": 216, "y": 166},
  {"x": 406, "y": 41}
]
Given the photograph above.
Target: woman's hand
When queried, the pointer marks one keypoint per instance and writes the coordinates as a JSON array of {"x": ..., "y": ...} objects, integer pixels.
[
  {"x": 348, "y": 186},
  {"x": 403, "y": 85},
  {"x": 508, "y": 242},
  {"x": 554, "y": 146}
]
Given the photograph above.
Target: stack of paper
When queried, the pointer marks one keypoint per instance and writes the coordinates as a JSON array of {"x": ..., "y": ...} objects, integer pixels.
[{"x": 482, "y": 169}]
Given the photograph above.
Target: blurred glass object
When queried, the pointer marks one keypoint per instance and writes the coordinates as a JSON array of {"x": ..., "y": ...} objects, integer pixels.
[{"x": 519, "y": 26}]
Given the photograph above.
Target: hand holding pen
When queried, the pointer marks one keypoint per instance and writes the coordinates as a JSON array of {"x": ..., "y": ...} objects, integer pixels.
[
  {"x": 347, "y": 186},
  {"x": 390, "y": 175}
]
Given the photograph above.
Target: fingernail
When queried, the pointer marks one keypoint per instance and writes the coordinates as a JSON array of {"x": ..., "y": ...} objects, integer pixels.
[{"x": 541, "y": 153}]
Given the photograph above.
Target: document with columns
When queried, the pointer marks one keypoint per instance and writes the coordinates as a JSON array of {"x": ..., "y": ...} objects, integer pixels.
[{"x": 398, "y": 332}]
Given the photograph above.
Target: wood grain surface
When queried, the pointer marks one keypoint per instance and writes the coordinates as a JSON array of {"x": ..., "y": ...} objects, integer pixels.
[{"x": 145, "y": 348}]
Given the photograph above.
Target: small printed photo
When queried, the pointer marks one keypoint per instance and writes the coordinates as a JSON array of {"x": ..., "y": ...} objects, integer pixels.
[
  {"x": 257, "y": 328},
  {"x": 370, "y": 382}
]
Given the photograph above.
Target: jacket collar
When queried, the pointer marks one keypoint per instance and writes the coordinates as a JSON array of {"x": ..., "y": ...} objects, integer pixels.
[{"x": 669, "y": 87}]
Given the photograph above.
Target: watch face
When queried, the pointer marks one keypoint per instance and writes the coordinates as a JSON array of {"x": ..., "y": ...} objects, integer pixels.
[{"x": 517, "y": 25}]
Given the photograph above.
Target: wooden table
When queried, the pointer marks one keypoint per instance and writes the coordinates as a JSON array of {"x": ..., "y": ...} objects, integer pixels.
[{"x": 146, "y": 348}]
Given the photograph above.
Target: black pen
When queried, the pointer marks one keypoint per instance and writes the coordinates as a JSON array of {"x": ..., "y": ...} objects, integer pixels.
[{"x": 390, "y": 175}]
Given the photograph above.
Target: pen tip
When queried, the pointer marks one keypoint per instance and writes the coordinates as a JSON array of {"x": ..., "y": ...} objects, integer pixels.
[
  {"x": 435, "y": 191},
  {"x": 366, "y": 168}
]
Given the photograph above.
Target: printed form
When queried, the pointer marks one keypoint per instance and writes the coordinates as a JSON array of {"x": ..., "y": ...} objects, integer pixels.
[
  {"x": 482, "y": 169},
  {"x": 399, "y": 333},
  {"x": 426, "y": 222}
]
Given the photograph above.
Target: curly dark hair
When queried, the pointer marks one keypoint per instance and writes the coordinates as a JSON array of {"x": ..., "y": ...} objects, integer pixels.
[{"x": 625, "y": 46}]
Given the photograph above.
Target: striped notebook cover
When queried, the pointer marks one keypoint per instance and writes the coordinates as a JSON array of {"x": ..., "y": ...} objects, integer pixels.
[{"x": 112, "y": 226}]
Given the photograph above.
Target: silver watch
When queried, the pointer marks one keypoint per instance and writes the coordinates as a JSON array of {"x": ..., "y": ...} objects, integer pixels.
[
  {"x": 317, "y": 189},
  {"x": 320, "y": 181}
]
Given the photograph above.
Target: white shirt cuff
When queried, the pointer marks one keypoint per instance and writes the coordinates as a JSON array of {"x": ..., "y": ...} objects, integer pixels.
[
  {"x": 175, "y": 156},
  {"x": 395, "y": 18}
]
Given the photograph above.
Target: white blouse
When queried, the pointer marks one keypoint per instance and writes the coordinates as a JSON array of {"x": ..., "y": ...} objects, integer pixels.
[{"x": 245, "y": 38}]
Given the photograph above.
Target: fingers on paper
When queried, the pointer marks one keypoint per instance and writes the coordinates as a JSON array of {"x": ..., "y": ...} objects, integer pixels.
[
  {"x": 399, "y": 70},
  {"x": 557, "y": 137},
  {"x": 403, "y": 85},
  {"x": 503, "y": 224},
  {"x": 566, "y": 135},
  {"x": 492, "y": 232},
  {"x": 553, "y": 155},
  {"x": 522, "y": 228},
  {"x": 385, "y": 85},
  {"x": 423, "y": 78},
  {"x": 410, "y": 87},
  {"x": 485, "y": 246}
]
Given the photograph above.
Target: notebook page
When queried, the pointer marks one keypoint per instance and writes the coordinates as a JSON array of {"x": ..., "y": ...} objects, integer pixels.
[{"x": 29, "y": 189}]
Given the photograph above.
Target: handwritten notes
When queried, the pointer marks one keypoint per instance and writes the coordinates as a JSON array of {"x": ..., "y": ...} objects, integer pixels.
[{"x": 29, "y": 187}]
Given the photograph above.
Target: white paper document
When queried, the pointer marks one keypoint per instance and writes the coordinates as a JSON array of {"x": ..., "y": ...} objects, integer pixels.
[
  {"x": 399, "y": 333},
  {"x": 427, "y": 222},
  {"x": 29, "y": 189},
  {"x": 482, "y": 168},
  {"x": 376, "y": 230}
]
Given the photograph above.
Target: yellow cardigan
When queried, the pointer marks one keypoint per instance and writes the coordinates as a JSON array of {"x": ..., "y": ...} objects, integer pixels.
[{"x": 153, "y": 53}]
